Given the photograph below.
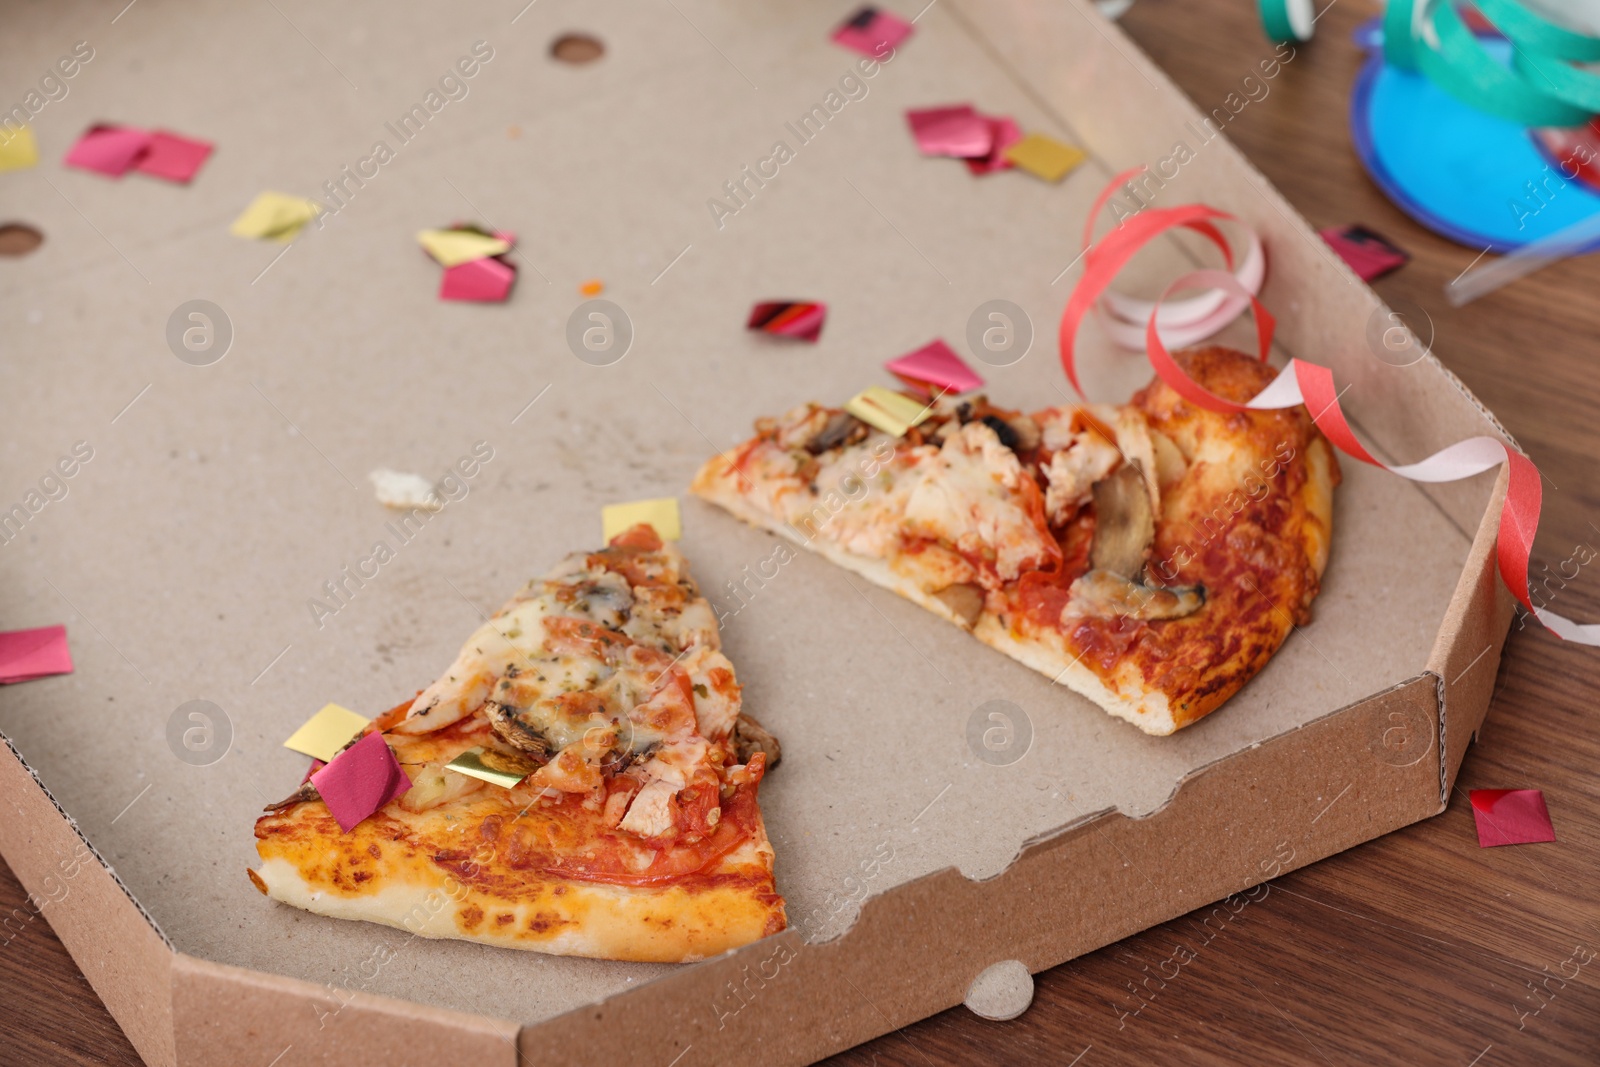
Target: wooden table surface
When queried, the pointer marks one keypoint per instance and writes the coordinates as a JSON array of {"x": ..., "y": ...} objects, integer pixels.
[{"x": 1419, "y": 948}]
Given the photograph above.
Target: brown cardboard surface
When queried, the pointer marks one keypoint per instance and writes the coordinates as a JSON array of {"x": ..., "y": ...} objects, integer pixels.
[
  {"x": 220, "y": 499},
  {"x": 231, "y": 1015},
  {"x": 1466, "y": 658}
]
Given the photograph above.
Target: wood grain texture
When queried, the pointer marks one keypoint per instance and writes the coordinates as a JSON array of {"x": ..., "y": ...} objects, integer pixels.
[
  {"x": 49, "y": 1015},
  {"x": 1419, "y": 948}
]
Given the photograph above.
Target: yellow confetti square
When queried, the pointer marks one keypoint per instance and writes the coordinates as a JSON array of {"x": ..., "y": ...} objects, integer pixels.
[
  {"x": 18, "y": 151},
  {"x": 471, "y": 764},
  {"x": 275, "y": 217},
  {"x": 661, "y": 514},
  {"x": 893, "y": 413},
  {"x": 326, "y": 732},
  {"x": 455, "y": 247},
  {"x": 1044, "y": 157}
]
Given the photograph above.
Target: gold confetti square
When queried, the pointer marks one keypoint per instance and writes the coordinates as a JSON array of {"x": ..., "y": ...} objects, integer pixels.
[
  {"x": 326, "y": 732},
  {"x": 661, "y": 514},
  {"x": 454, "y": 247},
  {"x": 1044, "y": 157},
  {"x": 275, "y": 217},
  {"x": 893, "y": 413},
  {"x": 471, "y": 763},
  {"x": 17, "y": 148}
]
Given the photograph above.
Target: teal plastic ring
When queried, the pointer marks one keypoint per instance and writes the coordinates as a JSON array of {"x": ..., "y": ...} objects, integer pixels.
[
  {"x": 1535, "y": 33},
  {"x": 1287, "y": 20}
]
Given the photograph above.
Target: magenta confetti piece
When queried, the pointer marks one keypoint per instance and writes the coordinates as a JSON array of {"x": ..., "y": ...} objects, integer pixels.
[
  {"x": 872, "y": 32},
  {"x": 957, "y": 131},
  {"x": 482, "y": 280},
  {"x": 934, "y": 367},
  {"x": 175, "y": 158},
  {"x": 109, "y": 150},
  {"x": 1369, "y": 254},
  {"x": 1006, "y": 133},
  {"x": 789, "y": 318},
  {"x": 360, "y": 780},
  {"x": 1511, "y": 817},
  {"x": 29, "y": 654}
]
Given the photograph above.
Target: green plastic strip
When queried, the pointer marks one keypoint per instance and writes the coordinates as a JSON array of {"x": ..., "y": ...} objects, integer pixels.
[
  {"x": 1463, "y": 68},
  {"x": 1562, "y": 80},
  {"x": 1400, "y": 34},
  {"x": 1287, "y": 20},
  {"x": 1534, "y": 32}
]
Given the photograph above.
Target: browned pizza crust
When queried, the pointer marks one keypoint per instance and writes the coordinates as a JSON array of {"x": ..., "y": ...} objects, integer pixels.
[
  {"x": 410, "y": 872},
  {"x": 1247, "y": 514},
  {"x": 987, "y": 517}
]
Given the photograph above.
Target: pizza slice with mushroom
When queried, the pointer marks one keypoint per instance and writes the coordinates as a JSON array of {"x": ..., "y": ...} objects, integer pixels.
[
  {"x": 1150, "y": 556},
  {"x": 621, "y": 821}
]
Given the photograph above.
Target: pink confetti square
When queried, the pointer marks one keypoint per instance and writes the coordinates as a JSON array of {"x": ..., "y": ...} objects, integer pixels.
[
  {"x": 29, "y": 654},
  {"x": 787, "y": 318},
  {"x": 934, "y": 366},
  {"x": 951, "y": 131},
  {"x": 1511, "y": 817},
  {"x": 360, "y": 780},
  {"x": 109, "y": 150},
  {"x": 872, "y": 32},
  {"x": 1006, "y": 133},
  {"x": 1369, "y": 254},
  {"x": 175, "y": 158},
  {"x": 482, "y": 280}
]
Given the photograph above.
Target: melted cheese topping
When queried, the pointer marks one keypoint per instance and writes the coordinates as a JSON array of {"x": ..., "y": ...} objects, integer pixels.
[
  {"x": 607, "y": 661},
  {"x": 958, "y": 509}
]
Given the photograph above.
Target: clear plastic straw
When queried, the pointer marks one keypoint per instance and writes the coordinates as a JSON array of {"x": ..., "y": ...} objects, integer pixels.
[{"x": 1574, "y": 240}]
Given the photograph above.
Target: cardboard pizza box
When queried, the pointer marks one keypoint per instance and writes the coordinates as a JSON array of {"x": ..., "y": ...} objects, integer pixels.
[{"x": 940, "y": 809}]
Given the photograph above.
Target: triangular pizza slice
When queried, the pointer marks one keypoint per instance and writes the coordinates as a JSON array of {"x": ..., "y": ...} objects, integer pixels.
[
  {"x": 580, "y": 781},
  {"x": 1151, "y": 556}
]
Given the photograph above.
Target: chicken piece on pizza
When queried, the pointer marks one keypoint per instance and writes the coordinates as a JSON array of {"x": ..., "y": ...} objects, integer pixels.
[
  {"x": 943, "y": 515},
  {"x": 632, "y": 831}
]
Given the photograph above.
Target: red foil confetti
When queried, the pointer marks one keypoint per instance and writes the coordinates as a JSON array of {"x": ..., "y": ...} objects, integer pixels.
[
  {"x": 956, "y": 130},
  {"x": 1511, "y": 817},
  {"x": 1369, "y": 254},
  {"x": 177, "y": 159},
  {"x": 29, "y": 654},
  {"x": 114, "y": 150},
  {"x": 872, "y": 32},
  {"x": 789, "y": 318},
  {"x": 487, "y": 280},
  {"x": 1006, "y": 133},
  {"x": 934, "y": 368},
  {"x": 108, "y": 150},
  {"x": 360, "y": 780}
]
